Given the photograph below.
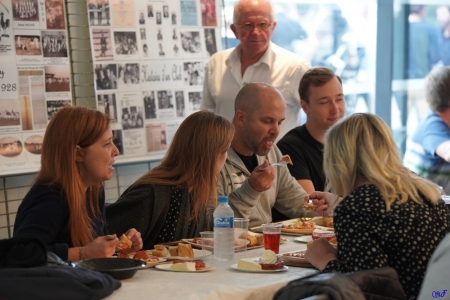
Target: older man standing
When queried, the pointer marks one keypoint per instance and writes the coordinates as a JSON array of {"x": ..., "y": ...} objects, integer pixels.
[
  {"x": 255, "y": 59},
  {"x": 251, "y": 183}
]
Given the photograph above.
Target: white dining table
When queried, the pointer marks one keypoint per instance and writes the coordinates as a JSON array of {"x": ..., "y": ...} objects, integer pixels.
[{"x": 221, "y": 283}]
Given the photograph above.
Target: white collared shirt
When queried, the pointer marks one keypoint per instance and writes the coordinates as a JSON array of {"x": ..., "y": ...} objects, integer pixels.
[{"x": 279, "y": 67}]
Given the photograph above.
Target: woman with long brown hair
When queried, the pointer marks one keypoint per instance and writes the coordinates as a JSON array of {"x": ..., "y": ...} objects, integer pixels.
[
  {"x": 176, "y": 199},
  {"x": 65, "y": 207}
]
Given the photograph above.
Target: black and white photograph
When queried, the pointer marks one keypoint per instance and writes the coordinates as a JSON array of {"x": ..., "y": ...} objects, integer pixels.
[
  {"x": 210, "y": 41},
  {"x": 25, "y": 10},
  {"x": 190, "y": 41},
  {"x": 54, "y": 10},
  {"x": 128, "y": 73},
  {"x": 28, "y": 45},
  {"x": 150, "y": 11},
  {"x": 125, "y": 42},
  {"x": 194, "y": 100},
  {"x": 132, "y": 117},
  {"x": 159, "y": 35},
  {"x": 102, "y": 45},
  {"x": 158, "y": 18},
  {"x": 179, "y": 103},
  {"x": 33, "y": 144},
  {"x": 54, "y": 105},
  {"x": 105, "y": 76},
  {"x": 165, "y": 99},
  {"x": 194, "y": 73},
  {"x": 118, "y": 140},
  {"x": 57, "y": 78},
  {"x": 161, "y": 50},
  {"x": 176, "y": 50},
  {"x": 143, "y": 34},
  {"x": 174, "y": 35},
  {"x": 107, "y": 104},
  {"x": 141, "y": 18},
  {"x": 174, "y": 18},
  {"x": 9, "y": 113},
  {"x": 54, "y": 43},
  {"x": 144, "y": 50},
  {"x": 149, "y": 105},
  {"x": 166, "y": 11},
  {"x": 99, "y": 12}
]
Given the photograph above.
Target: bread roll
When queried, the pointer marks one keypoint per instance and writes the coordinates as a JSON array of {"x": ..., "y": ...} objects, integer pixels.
[
  {"x": 157, "y": 253},
  {"x": 163, "y": 250},
  {"x": 124, "y": 242},
  {"x": 185, "y": 250},
  {"x": 259, "y": 239},
  {"x": 173, "y": 250},
  {"x": 251, "y": 238}
]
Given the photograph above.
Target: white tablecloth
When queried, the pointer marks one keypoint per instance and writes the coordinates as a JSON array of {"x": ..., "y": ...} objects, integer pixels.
[{"x": 222, "y": 283}]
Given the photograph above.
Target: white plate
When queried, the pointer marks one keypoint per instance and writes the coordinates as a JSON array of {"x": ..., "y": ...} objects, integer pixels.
[
  {"x": 235, "y": 266},
  {"x": 166, "y": 267},
  {"x": 303, "y": 239},
  {"x": 240, "y": 243},
  {"x": 198, "y": 254}
]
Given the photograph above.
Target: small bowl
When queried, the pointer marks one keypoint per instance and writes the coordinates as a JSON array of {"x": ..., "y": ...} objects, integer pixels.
[{"x": 118, "y": 268}]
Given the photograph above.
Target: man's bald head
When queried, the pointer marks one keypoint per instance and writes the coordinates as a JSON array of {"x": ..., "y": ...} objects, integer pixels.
[{"x": 253, "y": 95}]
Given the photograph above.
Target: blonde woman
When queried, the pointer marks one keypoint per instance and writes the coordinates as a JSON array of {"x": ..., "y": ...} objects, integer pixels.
[
  {"x": 176, "y": 199},
  {"x": 388, "y": 216}
]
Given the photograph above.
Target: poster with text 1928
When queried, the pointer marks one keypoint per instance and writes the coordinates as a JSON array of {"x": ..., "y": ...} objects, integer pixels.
[{"x": 34, "y": 78}]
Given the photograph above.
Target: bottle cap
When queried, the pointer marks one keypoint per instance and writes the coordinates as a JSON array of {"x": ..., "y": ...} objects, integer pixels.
[{"x": 223, "y": 199}]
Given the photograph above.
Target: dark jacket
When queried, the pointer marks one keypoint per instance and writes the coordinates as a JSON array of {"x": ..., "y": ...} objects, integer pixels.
[{"x": 377, "y": 284}]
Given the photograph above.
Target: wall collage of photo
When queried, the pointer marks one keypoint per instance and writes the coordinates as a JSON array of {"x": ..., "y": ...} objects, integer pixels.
[
  {"x": 149, "y": 61},
  {"x": 34, "y": 78},
  {"x": 149, "y": 58}
]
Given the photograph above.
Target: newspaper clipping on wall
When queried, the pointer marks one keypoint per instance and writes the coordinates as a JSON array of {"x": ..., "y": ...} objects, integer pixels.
[{"x": 34, "y": 78}]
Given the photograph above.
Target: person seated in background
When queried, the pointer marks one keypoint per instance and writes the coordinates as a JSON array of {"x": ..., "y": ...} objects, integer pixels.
[
  {"x": 428, "y": 151},
  {"x": 389, "y": 216},
  {"x": 176, "y": 199},
  {"x": 322, "y": 100},
  {"x": 64, "y": 208},
  {"x": 251, "y": 183}
]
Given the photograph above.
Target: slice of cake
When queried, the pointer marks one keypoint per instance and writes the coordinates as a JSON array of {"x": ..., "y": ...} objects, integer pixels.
[
  {"x": 248, "y": 264},
  {"x": 186, "y": 266}
]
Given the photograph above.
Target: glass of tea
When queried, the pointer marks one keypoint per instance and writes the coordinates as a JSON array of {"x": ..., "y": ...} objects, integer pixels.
[{"x": 272, "y": 234}]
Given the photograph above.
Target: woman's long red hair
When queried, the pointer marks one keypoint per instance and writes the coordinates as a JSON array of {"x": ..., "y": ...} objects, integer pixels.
[{"x": 70, "y": 127}]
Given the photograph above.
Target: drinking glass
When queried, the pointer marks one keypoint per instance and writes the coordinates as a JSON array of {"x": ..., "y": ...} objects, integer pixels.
[{"x": 272, "y": 234}]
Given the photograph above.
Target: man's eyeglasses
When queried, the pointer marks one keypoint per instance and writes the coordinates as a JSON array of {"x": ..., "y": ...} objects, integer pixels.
[{"x": 248, "y": 27}]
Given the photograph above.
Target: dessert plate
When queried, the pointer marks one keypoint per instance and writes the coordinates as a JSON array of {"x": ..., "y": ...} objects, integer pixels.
[
  {"x": 235, "y": 266},
  {"x": 166, "y": 267}
]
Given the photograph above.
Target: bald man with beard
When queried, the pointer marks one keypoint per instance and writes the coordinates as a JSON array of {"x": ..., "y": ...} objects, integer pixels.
[{"x": 252, "y": 188}]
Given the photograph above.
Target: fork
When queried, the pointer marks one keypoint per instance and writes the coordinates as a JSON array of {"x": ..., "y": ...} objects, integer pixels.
[{"x": 279, "y": 164}]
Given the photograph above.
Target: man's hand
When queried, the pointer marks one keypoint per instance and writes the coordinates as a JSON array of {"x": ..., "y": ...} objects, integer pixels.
[{"x": 261, "y": 180}]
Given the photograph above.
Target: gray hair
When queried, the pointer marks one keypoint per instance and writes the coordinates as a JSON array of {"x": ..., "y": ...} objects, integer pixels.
[{"x": 238, "y": 5}]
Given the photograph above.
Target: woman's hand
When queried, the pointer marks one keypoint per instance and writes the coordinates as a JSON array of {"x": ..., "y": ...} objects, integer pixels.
[
  {"x": 135, "y": 238},
  {"x": 320, "y": 253},
  {"x": 324, "y": 202},
  {"x": 103, "y": 246}
]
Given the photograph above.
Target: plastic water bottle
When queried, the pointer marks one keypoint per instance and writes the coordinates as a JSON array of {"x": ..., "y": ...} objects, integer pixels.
[{"x": 223, "y": 230}]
